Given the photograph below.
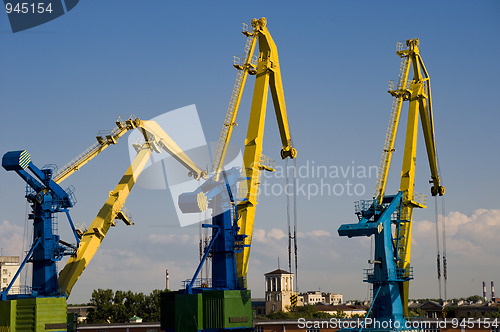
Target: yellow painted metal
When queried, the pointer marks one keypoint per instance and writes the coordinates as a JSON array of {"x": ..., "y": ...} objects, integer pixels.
[
  {"x": 156, "y": 134},
  {"x": 392, "y": 128},
  {"x": 268, "y": 76},
  {"x": 234, "y": 104},
  {"x": 103, "y": 141},
  {"x": 155, "y": 138},
  {"x": 417, "y": 92},
  {"x": 93, "y": 236}
]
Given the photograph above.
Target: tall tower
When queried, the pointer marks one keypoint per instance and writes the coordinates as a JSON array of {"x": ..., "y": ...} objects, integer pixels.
[
  {"x": 167, "y": 279},
  {"x": 279, "y": 289}
]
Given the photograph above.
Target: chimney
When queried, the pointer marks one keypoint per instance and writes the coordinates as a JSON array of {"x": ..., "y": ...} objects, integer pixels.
[
  {"x": 484, "y": 292},
  {"x": 166, "y": 277},
  {"x": 492, "y": 291}
]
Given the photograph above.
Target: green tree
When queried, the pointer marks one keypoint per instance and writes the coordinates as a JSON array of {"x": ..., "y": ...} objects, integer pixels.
[
  {"x": 474, "y": 298},
  {"x": 102, "y": 299},
  {"x": 416, "y": 313},
  {"x": 120, "y": 306},
  {"x": 152, "y": 306}
]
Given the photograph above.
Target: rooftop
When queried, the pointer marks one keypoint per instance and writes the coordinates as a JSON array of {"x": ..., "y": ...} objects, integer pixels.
[{"x": 278, "y": 271}]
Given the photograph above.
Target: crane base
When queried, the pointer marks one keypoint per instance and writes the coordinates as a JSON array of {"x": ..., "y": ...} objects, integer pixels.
[
  {"x": 206, "y": 310},
  {"x": 34, "y": 314}
]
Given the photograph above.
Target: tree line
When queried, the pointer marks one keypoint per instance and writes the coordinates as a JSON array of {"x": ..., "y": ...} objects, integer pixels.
[{"x": 120, "y": 306}]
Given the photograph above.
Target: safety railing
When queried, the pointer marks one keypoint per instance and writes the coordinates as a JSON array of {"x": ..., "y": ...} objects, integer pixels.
[
  {"x": 96, "y": 146},
  {"x": 419, "y": 198},
  {"x": 363, "y": 205},
  {"x": 401, "y": 46},
  {"x": 267, "y": 163},
  {"x": 375, "y": 275}
]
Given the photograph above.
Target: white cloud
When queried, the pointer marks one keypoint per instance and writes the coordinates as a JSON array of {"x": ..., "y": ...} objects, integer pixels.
[
  {"x": 314, "y": 234},
  {"x": 276, "y": 234},
  {"x": 472, "y": 236},
  {"x": 259, "y": 235},
  {"x": 325, "y": 260},
  {"x": 263, "y": 236},
  {"x": 159, "y": 239},
  {"x": 11, "y": 239}
]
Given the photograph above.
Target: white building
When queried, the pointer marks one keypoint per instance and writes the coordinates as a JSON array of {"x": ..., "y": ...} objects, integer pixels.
[
  {"x": 334, "y": 299},
  {"x": 315, "y": 297},
  {"x": 311, "y": 297},
  {"x": 8, "y": 268}
]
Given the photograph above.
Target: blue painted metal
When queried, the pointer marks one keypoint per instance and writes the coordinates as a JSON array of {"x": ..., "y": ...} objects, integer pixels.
[
  {"x": 226, "y": 241},
  {"x": 77, "y": 238},
  {"x": 4, "y": 293},
  {"x": 386, "y": 277},
  {"x": 47, "y": 199},
  {"x": 369, "y": 310},
  {"x": 189, "y": 288}
]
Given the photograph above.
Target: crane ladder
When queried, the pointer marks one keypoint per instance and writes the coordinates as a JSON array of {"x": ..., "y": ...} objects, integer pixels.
[
  {"x": 392, "y": 127},
  {"x": 232, "y": 109}
]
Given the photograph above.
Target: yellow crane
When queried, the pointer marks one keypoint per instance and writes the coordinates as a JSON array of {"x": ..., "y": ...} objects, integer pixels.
[
  {"x": 268, "y": 77},
  {"x": 223, "y": 302},
  {"x": 90, "y": 240},
  {"x": 418, "y": 93}
]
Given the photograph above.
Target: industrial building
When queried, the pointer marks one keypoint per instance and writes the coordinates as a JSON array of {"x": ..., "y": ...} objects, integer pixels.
[{"x": 8, "y": 268}]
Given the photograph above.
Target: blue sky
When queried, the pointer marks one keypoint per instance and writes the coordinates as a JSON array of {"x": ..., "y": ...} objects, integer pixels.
[{"x": 63, "y": 81}]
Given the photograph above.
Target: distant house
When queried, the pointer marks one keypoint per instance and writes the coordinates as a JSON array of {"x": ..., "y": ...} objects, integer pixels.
[
  {"x": 259, "y": 306},
  {"x": 81, "y": 312},
  {"x": 135, "y": 319},
  {"x": 349, "y": 310},
  {"x": 474, "y": 310},
  {"x": 432, "y": 309}
]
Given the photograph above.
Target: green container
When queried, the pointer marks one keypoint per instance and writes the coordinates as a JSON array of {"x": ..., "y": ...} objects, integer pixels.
[
  {"x": 188, "y": 312},
  {"x": 34, "y": 314},
  {"x": 227, "y": 309},
  {"x": 181, "y": 312},
  {"x": 8, "y": 315},
  {"x": 211, "y": 309},
  {"x": 167, "y": 311}
]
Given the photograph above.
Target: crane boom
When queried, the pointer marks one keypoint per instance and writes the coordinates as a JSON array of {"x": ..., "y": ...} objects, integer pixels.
[
  {"x": 268, "y": 76},
  {"x": 103, "y": 141},
  {"x": 155, "y": 137},
  {"x": 390, "y": 136},
  {"x": 248, "y": 66},
  {"x": 418, "y": 94},
  {"x": 122, "y": 127},
  {"x": 93, "y": 236}
]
